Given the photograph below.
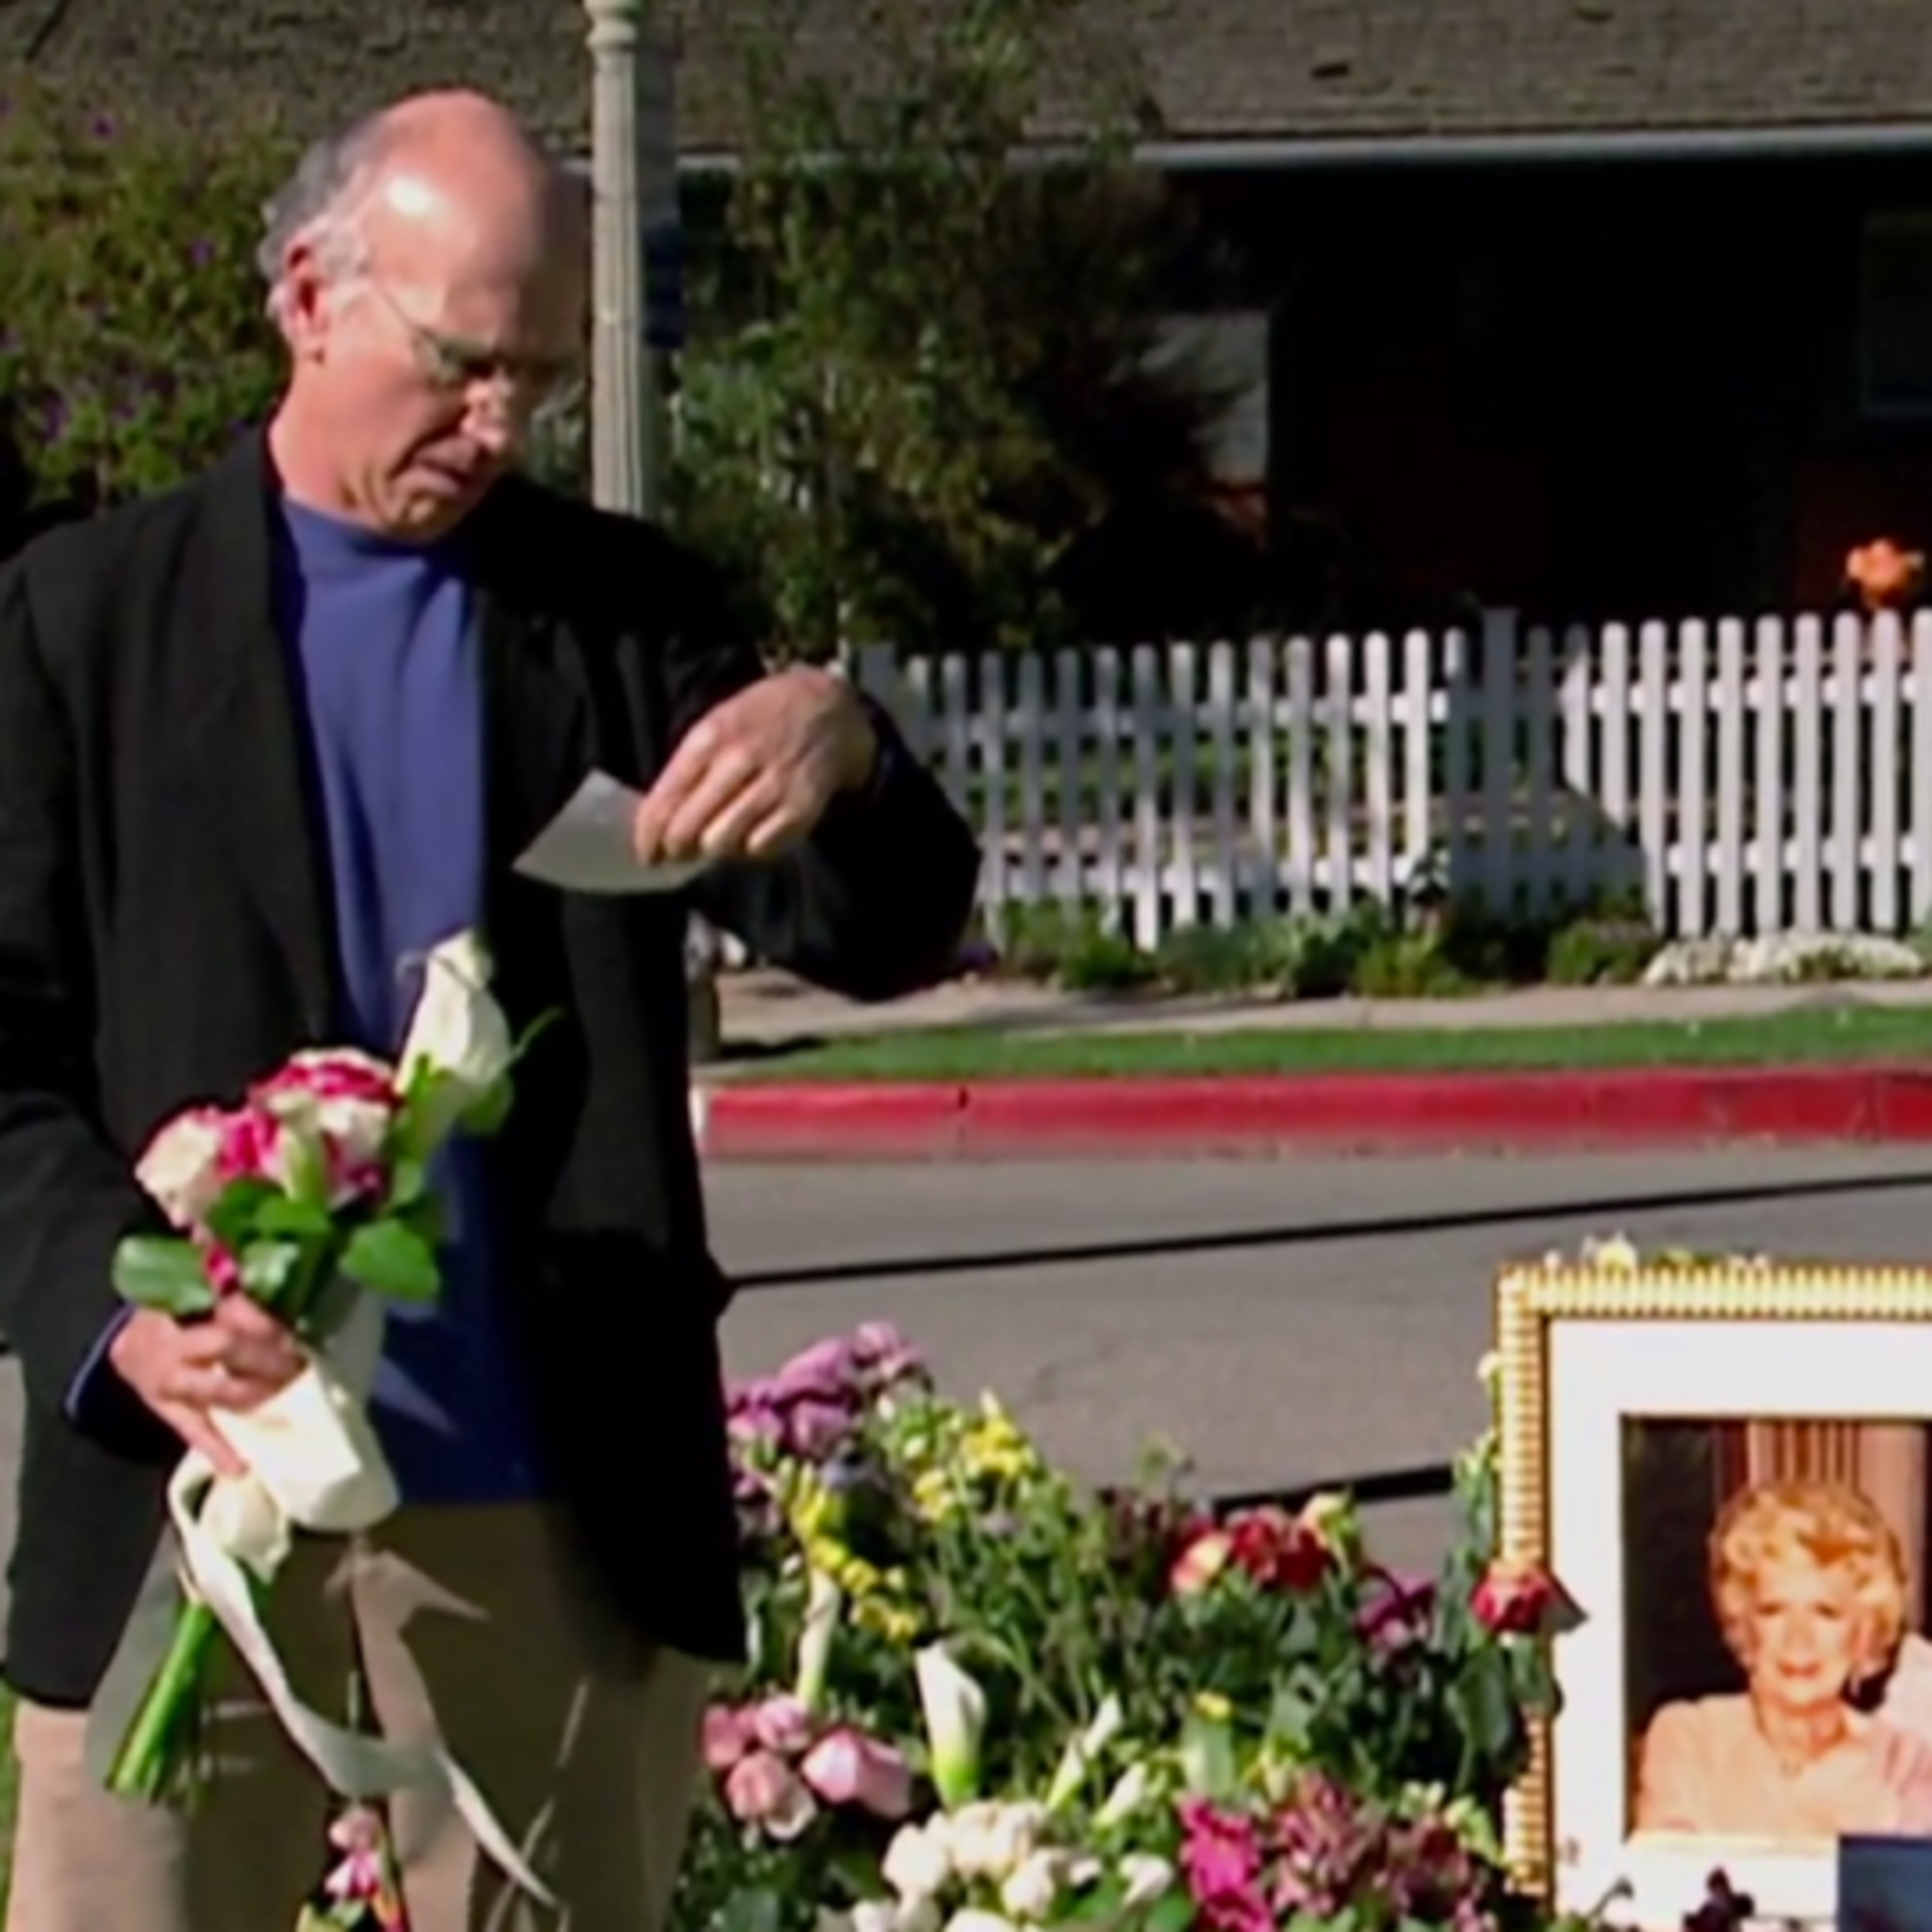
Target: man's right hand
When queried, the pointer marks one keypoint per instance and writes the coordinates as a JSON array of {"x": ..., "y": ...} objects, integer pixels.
[{"x": 237, "y": 1359}]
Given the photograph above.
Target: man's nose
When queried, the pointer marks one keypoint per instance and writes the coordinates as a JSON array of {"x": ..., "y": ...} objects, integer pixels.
[{"x": 497, "y": 432}]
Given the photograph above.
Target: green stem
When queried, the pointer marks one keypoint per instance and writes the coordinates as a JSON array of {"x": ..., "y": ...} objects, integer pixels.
[{"x": 150, "y": 1757}]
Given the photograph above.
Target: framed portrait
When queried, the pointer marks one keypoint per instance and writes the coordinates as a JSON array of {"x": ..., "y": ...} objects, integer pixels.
[{"x": 1728, "y": 1468}]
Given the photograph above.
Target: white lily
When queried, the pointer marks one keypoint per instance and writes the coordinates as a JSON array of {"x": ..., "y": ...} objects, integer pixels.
[
  {"x": 824, "y": 1599},
  {"x": 955, "y": 1721},
  {"x": 975, "y": 1918},
  {"x": 1032, "y": 1889},
  {"x": 459, "y": 1037},
  {"x": 1147, "y": 1876},
  {"x": 1130, "y": 1793},
  {"x": 1083, "y": 1752}
]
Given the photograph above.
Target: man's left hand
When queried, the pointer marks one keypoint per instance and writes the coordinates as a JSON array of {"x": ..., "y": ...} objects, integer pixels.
[{"x": 753, "y": 776}]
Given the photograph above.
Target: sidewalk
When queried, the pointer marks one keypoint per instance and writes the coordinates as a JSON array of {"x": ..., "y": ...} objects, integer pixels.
[
  {"x": 1266, "y": 1115},
  {"x": 769, "y": 1009}
]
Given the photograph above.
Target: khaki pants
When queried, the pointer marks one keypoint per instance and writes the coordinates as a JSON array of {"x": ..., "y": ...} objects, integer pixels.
[{"x": 583, "y": 1741}]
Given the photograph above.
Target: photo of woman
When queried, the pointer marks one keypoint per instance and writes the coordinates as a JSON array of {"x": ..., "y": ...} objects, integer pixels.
[{"x": 1809, "y": 1588}]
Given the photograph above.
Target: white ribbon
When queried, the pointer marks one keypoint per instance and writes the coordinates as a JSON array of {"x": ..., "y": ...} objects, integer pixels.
[{"x": 314, "y": 1463}]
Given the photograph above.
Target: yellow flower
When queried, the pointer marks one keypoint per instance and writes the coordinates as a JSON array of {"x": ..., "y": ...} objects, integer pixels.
[
  {"x": 934, "y": 1496},
  {"x": 1212, "y": 1706},
  {"x": 994, "y": 1446},
  {"x": 893, "y": 1621}
]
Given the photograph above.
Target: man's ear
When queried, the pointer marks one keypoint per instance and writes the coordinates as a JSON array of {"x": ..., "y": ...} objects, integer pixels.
[{"x": 304, "y": 303}]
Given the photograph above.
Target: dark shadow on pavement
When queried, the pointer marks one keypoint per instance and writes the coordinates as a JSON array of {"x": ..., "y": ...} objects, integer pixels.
[
  {"x": 1423, "y": 1483},
  {"x": 985, "y": 1261}
]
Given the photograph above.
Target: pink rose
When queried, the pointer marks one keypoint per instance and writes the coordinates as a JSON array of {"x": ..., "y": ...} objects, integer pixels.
[
  {"x": 181, "y": 1166},
  {"x": 335, "y": 1073},
  {"x": 846, "y": 1767},
  {"x": 344, "y": 1103},
  {"x": 782, "y": 1724},
  {"x": 727, "y": 1737},
  {"x": 1513, "y": 1598},
  {"x": 222, "y": 1270},
  {"x": 763, "y": 1790},
  {"x": 251, "y": 1147}
]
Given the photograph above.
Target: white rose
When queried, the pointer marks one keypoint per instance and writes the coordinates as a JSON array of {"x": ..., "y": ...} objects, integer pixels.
[
  {"x": 459, "y": 1032},
  {"x": 916, "y": 1915},
  {"x": 917, "y": 1864},
  {"x": 1147, "y": 1876},
  {"x": 179, "y": 1169},
  {"x": 874, "y": 1915},
  {"x": 971, "y": 1919},
  {"x": 1032, "y": 1889}
]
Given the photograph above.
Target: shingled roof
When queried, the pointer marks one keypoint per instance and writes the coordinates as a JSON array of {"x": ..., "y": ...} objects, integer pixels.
[{"x": 1215, "y": 71}]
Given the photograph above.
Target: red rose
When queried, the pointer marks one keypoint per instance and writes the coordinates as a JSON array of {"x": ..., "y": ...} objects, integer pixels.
[
  {"x": 1515, "y": 1598},
  {"x": 1280, "y": 1552}
]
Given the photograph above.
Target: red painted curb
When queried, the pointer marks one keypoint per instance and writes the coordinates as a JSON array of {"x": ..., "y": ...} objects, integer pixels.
[{"x": 1334, "y": 1113}]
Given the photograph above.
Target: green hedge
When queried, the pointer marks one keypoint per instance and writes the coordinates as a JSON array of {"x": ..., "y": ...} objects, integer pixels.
[{"x": 133, "y": 339}]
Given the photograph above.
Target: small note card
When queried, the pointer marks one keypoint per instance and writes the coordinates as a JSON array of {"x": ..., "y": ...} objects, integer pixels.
[{"x": 588, "y": 847}]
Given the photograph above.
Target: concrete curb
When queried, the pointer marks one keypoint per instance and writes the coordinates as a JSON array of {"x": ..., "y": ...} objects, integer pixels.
[{"x": 1341, "y": 1113}]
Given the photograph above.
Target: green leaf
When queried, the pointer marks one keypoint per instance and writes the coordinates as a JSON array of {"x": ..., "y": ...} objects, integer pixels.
[
  {"x": 308, "y": 1170},
  {"x": 425, "y": 1220},
  {"x": 1099, "y": 1903},
  {"x": 390, "y": 1259},
  {"x": 408, "y": 1184},
  {"x": 163, "y": 1272},
  {"x": 1484, "y": 1700},
  {"x": 1173, "y": 1911},
  {"x": 757, "y": 1911},
  {"x": 268, "y": 1268},
  {"x": 304, "y": 1220},
  {"x": 238, "y": 1208}
]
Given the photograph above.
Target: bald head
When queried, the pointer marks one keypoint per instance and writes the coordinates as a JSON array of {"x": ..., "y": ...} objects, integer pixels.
[
  {"x": 443, "y": 161},
  {"x": 463, "y": 168},
  {"x": 427, "y": 269}
]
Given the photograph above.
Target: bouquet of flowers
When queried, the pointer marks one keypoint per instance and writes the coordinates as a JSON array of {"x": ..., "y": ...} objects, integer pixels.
[{"x": 312, "y": 1197}]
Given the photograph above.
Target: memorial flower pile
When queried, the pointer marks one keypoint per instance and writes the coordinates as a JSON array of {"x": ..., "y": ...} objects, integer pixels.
[{"x": 983, "y": 1697}]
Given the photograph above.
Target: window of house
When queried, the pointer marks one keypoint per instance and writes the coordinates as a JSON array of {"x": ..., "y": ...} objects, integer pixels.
[{"x": 1895, "y": 316}]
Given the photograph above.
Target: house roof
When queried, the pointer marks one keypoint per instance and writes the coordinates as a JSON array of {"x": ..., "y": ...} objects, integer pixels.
[{"x": 1215, "y": 71}]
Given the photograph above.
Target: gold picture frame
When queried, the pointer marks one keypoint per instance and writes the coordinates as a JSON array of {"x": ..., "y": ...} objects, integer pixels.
[{"x": 1532, "y": 1303}]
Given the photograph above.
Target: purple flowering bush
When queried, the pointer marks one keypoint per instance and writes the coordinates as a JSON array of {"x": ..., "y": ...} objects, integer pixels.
[
  {"x": 983, "y": 1697},
  {"x": 133, "y": 341}
]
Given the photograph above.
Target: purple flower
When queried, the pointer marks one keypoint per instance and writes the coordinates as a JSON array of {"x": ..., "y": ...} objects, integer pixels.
[
  {"x": 201, "y": 252},
  {"x": 884, "y": 1355},
  {"x": 1397, "y": 1613},
  {"x": 827, "y": 1372},
  {"x": 813, "y": 1430}
]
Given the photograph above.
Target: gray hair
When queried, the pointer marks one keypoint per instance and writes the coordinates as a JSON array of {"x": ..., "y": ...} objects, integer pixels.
[{"x": 321, "y": 203}]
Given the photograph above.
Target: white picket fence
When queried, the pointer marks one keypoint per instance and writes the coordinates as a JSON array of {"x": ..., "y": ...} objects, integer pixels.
[{"x": 1750, "y": 776}]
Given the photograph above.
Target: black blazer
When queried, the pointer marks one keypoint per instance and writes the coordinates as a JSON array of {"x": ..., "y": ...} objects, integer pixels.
[{"x": 166, "y": 936}]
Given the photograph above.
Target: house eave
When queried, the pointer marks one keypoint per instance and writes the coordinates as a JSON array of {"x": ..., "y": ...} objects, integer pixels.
[{"x": 1834, "y": 141}]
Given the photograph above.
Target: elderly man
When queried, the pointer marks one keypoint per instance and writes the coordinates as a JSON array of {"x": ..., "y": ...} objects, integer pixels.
[{"x": 264, "y": 740}]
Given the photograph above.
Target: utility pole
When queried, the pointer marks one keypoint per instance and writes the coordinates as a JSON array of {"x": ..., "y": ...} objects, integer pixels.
[{"x": 636, "y": 318}]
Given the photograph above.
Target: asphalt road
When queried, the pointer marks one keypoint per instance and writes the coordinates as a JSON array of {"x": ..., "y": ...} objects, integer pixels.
[{"x": 1291, "y": 1324}]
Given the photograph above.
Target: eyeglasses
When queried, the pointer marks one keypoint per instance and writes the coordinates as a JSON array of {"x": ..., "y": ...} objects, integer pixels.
[{"x": 532, "y": 385}]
